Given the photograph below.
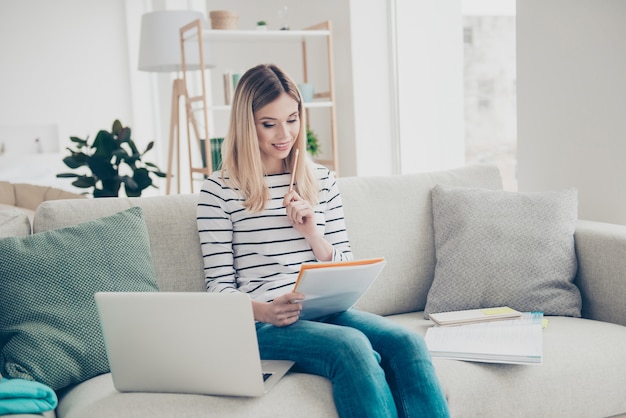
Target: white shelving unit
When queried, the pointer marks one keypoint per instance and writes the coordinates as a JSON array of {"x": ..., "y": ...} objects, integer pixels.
[{"x": 193, "y": 32}]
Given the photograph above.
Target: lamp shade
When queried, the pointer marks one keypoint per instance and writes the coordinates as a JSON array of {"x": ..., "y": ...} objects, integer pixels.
[{"x": 159, "y": 48}]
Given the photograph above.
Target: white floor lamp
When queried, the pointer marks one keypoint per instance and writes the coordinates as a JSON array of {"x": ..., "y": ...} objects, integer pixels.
[{"x": 159, "y": 51}]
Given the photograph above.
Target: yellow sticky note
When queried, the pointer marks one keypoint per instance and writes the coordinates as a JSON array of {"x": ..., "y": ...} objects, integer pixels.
[{"x": 497, "y": 311}]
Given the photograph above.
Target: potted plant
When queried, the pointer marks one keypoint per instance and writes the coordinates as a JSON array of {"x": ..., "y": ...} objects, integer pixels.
[
  {"x": 114, "y": 160},
  {"x": 261, "y": 25},
  {"x": 312, "y": 143}
]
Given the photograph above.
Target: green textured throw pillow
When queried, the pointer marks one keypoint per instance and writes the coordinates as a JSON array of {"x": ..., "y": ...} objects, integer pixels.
[{"x": 49, "y": 326}]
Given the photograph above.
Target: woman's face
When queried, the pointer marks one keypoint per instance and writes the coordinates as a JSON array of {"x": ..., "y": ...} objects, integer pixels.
[{"x": 277, "y": 127}]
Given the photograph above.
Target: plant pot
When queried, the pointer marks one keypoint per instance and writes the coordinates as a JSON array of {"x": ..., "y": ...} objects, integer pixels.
[{"x": 224, "y": 19}]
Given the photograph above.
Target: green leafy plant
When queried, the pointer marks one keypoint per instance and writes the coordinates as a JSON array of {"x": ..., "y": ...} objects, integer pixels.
[
  {"x": 312, "y": 143},
  {"x": 106, "y": 157},
  {"x": 261, "y": 23}
]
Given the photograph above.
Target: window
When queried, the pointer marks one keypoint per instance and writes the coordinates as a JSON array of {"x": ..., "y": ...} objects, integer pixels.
[{"x": 490, "y": 87}]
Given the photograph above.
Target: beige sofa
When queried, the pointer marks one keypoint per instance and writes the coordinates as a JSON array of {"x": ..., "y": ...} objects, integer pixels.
[
  {"x": 584, "y": 358},
  {"x": 26, "y": 197}
]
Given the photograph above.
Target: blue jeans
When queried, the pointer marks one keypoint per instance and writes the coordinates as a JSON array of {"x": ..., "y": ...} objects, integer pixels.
[{"x": 377, "y": 368}]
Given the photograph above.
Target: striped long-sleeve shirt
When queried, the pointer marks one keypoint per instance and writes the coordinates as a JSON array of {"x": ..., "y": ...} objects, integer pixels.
[{"x": 260, "y": 253}]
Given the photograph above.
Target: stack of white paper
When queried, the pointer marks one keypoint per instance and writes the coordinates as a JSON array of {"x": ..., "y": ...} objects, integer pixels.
[{"x": 517, "y": 341}]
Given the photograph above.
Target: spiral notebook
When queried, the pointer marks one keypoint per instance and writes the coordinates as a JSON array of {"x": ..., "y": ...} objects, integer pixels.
[
  {"x": 472, "y": 316},
  {"x": 336, "y": 286}
]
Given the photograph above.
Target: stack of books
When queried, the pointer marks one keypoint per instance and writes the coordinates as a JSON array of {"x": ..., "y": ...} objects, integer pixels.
[{"x": 495, "y": 335}]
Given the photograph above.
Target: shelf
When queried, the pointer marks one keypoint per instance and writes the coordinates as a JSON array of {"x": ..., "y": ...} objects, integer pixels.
[
  {"x": 257, "y": 35},
  {"x": 311, "y": 105},
  {"x": 307, "y": 105},
  {"x": 193, "y": 32}
]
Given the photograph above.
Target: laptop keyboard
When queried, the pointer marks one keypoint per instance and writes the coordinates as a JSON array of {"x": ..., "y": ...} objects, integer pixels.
[{"x": 266, "y": 376}]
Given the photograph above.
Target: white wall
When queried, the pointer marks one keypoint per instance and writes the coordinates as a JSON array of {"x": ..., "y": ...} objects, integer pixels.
[
  {"x": 65, "y": 63},
  {"x": 572, "y": 101}
]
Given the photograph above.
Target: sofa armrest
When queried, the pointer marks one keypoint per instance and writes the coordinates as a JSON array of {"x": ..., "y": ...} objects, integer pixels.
[{"x": 601, "y": 278}]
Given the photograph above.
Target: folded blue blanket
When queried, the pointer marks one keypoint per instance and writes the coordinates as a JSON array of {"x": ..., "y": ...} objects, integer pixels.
[{"x": 19, "y": 396}]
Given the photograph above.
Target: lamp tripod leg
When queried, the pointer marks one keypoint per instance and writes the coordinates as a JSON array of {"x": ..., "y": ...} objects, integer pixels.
[{"x": 174, "y": 143}]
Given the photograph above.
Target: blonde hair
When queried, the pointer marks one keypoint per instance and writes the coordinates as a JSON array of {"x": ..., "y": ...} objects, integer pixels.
[{"x": 241, "y": 155}]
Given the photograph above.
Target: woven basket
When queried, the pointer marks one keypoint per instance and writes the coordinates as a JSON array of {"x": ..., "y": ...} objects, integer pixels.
[{"x": 224, "y": 19}]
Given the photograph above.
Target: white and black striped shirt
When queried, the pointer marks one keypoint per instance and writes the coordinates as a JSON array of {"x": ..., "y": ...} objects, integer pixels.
[{"x": 260, "y": 253}]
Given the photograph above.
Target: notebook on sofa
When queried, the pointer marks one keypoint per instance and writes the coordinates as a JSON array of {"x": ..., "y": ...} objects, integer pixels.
[{"x": 193, "y": 342}]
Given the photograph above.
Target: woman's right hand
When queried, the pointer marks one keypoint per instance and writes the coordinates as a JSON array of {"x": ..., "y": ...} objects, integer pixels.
[{"x": 282, "y": 311}]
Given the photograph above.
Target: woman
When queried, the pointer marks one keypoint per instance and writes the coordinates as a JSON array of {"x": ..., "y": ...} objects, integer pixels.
[{"x": 256, "y": 231}]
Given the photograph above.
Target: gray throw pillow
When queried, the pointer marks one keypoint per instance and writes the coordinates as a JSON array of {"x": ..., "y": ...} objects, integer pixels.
[
  {"x": 49, "y": 325},
  {"x": 499, "y": 248}
]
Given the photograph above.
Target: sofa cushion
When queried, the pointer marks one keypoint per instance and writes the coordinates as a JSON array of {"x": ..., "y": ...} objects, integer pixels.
[
  {"x": 496, "y": 248},
  {"x": 13, "y": 222},
  {"x": 301, "y": 394},
  {"x": 7, "y": 194},
  {"x": 49, "y": 326},
  {"x": 578, "y": 376}
]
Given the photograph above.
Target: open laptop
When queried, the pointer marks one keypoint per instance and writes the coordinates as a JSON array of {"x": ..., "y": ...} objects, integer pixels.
[{"x": 193, "y": 342}]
